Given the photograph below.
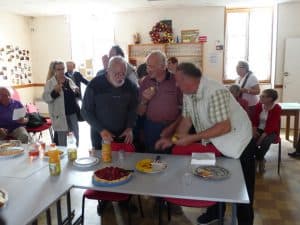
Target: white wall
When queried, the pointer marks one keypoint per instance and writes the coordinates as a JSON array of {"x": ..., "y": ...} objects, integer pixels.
[
  {"x": 209, "y": 21},
  {"x": 51, "y": 41},
  {"x": 14, "y": 30},
  {"x": 288, "y": 26}
]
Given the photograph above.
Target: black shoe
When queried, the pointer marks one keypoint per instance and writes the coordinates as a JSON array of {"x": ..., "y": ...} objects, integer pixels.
[
  {"x": 206, "y": 218},
  {"x": 294, "y": 154},
  {"x": 176, "y": 210}
]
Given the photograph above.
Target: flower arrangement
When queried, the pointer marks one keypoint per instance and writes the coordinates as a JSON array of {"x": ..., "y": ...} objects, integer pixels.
[{"x": 161, "y": 33}]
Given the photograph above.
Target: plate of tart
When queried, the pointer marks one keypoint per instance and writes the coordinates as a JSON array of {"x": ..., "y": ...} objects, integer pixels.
[
  {"x": 3, "y": 198},
  {"x": 151, "y": 166},
  {"x": 7, "y": 150},
  {"x": 211, "y": 172},
  {"x": 111, "y": 176}
]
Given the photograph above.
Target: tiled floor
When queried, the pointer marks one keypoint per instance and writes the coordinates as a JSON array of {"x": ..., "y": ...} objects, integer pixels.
[{"x": 277, "y": 198}]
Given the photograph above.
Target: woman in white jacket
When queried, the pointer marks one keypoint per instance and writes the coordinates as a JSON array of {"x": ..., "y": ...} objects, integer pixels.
[{"x": 60, "y": 94}]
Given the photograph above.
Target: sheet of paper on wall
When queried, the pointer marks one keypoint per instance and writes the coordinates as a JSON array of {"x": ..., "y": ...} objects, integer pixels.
[
  {"x": 19, "y": 113},
  {"x": 206, "y": 158}
]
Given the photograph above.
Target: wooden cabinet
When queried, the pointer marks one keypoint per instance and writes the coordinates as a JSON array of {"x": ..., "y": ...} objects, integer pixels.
[{"x": 184, "y": 52}]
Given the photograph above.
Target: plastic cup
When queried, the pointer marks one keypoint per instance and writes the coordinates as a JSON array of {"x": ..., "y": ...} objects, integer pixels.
[{"x": 187, "y": 178}]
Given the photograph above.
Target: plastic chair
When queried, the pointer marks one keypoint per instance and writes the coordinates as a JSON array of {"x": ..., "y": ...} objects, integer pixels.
[
  {"x": 103, "y": 197},
  {"x": 31, "y": 108},
  {"x": 187, "y": 150}
]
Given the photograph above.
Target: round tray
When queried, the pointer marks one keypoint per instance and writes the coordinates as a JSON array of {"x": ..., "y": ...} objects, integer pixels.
[
  {"x": 20, "y": 152},
  {"x": 102, "y": 184},
  {"x": 211, "y": 172}
]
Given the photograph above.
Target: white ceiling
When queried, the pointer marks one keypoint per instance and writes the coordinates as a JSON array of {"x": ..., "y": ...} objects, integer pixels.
[{"x": 59, "y": 7}]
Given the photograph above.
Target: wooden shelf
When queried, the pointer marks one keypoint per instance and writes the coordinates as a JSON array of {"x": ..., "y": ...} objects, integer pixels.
[{"x": 185, "y": 52}]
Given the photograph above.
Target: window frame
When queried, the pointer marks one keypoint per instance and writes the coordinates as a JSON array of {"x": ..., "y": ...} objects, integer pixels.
[{"x": 247, "y": 10}]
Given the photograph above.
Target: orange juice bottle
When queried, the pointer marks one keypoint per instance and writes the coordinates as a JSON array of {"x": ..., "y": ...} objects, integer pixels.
[
  {"x": 106, "y": 151},
  {"x": 54, "y": 161}
]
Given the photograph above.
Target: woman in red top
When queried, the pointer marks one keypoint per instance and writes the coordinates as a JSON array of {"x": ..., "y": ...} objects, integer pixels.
[{"x": 266, "y": 125}]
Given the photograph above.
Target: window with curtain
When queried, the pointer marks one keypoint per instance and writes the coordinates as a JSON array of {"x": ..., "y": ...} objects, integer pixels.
[{"x": 248, "y": 36}]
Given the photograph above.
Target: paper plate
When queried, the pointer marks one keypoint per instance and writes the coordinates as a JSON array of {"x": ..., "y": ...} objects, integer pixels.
[
  {"x": 211, "y": 172},
  {"x": 86, "y": 162},
  {"x": 149, "y": 166}
]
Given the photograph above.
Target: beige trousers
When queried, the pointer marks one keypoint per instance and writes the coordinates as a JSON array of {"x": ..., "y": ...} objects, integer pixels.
[{"x": 19, "y": 133}]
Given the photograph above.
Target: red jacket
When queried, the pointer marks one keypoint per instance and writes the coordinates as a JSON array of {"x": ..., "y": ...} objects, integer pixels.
[{"x": 273, "y": 119}]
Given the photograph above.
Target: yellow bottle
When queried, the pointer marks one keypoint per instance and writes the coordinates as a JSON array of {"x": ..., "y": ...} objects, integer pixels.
[
  {"x": 54, "y": 161},
  {"x": 106, "y": 152}
]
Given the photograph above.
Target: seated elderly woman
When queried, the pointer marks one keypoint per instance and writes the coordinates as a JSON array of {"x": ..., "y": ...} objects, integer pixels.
[
  {"x": 236, "y": 92},
  {"x": 8, "y": 126},
  {"x": 266, "y": 125}
]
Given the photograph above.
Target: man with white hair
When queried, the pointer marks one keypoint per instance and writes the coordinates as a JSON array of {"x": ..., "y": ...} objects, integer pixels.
[
  {"x": 109, "y": 104},
  {"x": 8, "y": 126}
]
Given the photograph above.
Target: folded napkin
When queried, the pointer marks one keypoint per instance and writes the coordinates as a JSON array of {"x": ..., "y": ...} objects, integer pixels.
[{"x": 203, "y": 158}]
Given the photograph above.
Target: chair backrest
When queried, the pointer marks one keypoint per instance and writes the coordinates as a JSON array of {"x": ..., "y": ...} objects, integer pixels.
[
  {"x": 195, "y": 147},
  {"x": 122, "y": 146},
  {"x": 15, "y": 94},
  {"x": 31, "y": 108}
]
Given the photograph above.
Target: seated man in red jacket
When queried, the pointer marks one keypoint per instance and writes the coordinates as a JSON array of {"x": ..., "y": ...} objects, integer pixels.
[{"x": 266, "y": 125}]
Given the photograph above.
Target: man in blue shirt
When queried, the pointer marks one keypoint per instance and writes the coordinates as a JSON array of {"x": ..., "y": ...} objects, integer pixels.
[{"x": 8, "y": 126}]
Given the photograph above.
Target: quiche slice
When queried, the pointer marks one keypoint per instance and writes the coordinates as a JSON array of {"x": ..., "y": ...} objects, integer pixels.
[
  {"x": 111, "y": 175},
  {"x": 144, "y": 165}
]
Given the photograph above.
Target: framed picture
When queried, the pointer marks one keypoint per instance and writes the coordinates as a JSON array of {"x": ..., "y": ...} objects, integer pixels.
[{"x": 188, "y": 36}]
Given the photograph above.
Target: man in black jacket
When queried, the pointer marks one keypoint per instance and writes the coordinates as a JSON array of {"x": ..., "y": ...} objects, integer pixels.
[{"x": 75, "y": 76}]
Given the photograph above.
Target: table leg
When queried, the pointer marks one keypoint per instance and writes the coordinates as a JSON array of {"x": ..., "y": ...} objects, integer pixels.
[
  {"x": 296, "y": 130},
  {"x": 69, "y": 207},
  {"x": 48, "y": 216},
  {"x": 233, "y": 221},
  {"x": 287, "y": 129},
  {"x": 58, "y": 210}
]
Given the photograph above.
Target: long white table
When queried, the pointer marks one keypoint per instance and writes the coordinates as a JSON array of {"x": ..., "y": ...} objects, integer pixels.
[{"x": 30, "y": 196}]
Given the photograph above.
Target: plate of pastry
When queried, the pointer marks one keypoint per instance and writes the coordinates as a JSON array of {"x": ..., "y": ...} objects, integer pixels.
[{"x": 211, "y": 172}]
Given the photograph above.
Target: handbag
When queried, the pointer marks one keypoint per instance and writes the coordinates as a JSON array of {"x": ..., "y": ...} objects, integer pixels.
[{"x": 35, "y": 120}]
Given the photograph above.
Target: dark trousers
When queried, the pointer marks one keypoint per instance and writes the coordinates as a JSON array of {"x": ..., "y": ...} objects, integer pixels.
[
  {"x": 245, "y": 214},
  {"x": 262, "y": 150},
  {"x": 152, "y": 131},
  {"x": 96, "y": 139}
]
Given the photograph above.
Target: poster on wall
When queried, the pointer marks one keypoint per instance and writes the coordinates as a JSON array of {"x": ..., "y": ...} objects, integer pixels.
[{"x": 15, "y": 65}]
